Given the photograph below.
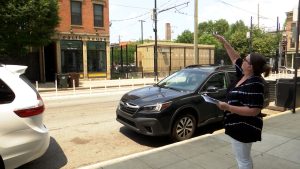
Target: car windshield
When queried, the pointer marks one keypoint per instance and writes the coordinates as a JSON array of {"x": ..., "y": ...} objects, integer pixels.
[{"x": 184, "y": 80}]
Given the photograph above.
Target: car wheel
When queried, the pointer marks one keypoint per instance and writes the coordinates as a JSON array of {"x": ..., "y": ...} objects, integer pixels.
[
  {"x": 289, "y": 72},
  {"x": 183, "y": 127}
]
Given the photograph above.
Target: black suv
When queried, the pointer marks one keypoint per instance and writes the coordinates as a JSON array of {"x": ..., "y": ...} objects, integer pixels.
[{"x": 174, "y": 106}]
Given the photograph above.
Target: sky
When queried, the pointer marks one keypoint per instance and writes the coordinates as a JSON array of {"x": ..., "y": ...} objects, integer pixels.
[{"x": 125, "y": 15}]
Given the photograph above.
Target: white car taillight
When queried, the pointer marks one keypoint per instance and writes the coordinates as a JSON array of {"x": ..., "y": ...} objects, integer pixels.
[{"x": 32, "y": 111}]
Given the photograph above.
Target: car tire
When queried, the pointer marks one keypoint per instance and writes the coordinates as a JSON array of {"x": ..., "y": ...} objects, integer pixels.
[
  {"x": 289, "y": 72},
  {"x": 183, "y": 127}
]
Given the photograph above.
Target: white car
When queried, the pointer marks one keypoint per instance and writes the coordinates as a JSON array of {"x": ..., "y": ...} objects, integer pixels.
[
  {"x": 23, "y": 136},
  {"x": 284, "y": 69}
]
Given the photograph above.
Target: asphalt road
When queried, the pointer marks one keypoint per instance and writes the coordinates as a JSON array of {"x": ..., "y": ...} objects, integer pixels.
[{"x": 84, "y": 131}]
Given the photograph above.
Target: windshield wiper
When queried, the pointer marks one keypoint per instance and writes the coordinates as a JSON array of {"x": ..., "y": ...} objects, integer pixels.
[
  {"x": 172, "y": 88},
  {"x": 157, "y": 85},
  {"x": 167, "y": 87}
]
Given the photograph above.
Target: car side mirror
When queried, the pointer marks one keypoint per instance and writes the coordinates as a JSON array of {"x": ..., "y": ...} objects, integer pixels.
[{"x": 212, "y": 89}]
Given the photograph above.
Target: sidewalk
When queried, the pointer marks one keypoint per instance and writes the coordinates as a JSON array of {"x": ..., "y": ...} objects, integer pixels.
[
  {"x": 90, "y": 84},
  {"x": 280, "y": 148},
  {"x": 96, "y": 84}
]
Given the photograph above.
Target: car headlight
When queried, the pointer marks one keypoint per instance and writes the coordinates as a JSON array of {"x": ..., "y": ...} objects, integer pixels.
[{"x": 157, "y": 107}]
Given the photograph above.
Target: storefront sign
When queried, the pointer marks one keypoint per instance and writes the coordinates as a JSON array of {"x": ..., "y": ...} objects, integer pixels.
[{"x": 82, "y": 37}]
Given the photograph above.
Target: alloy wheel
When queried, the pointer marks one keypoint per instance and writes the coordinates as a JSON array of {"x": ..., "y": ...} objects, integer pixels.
[{"x": 184, "y": 128}]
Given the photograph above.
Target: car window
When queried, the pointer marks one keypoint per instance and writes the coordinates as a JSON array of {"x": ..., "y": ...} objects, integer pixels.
[
  {"x": 217, "y": 80},
  {"x": 185, "y": 80},
  {"x": 6, "y": 94}
]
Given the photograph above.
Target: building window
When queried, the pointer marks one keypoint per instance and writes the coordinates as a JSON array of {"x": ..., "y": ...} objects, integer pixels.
[
  {"x": 71, "y": 56},
  {"x": 292, "y": 43},
  {"x": 98, "y": 15},
  {"x": 96, "y": 56},
  {"x": 293, "y": 38},
  {"x": 76, "y": 18}
]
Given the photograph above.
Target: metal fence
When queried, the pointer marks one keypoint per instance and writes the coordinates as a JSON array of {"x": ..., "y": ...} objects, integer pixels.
[{"x": 124, "y": 64}]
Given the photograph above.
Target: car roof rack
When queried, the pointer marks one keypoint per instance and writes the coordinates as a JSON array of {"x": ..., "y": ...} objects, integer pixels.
[
  {"x": 213, "y": 66},
  {"x": 225, "y": 67},
  {"x": 205, "y": 65}
]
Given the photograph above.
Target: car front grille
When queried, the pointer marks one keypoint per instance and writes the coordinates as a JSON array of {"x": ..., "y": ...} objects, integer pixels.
[
  {"x": 131, "y": 123},
  {"x": 128, "y": 107}
]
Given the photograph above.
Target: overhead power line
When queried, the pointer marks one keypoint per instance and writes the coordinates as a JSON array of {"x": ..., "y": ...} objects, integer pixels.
[
  {"x": 127, "y": 6},
  {"x": 253, "y": 13},
  {"x": 186, "y": 3},
  {"x": 178, "y": 11},
  {"x": 120, "y": 20},
  {"x": 135, "y": 17},
  {"x": 165, "y": 3}
]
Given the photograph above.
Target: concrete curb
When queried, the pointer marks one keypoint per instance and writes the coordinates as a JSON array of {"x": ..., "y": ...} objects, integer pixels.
[{"x": 136, "y": 155}]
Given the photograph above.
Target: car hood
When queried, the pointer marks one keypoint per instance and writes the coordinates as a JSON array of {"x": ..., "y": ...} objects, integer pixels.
[{"x": 151, "y": 95}]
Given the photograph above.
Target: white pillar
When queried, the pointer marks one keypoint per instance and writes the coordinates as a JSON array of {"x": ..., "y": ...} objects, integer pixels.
[{"x": 84, "y": 59}]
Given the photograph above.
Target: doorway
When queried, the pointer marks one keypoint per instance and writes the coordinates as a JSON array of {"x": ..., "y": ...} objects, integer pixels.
[{"x": 50, "y": 60}]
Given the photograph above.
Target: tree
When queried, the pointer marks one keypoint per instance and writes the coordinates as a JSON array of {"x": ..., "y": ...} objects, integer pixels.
[
  {"x": 186, "y": 37},
  {"x": 206, "y": 27},
  {"x": 221, "y": 26},
  {"x": 131, "y": 50},
  {"x": 208, "y": 39},
  {"x": 239, "y": 41},
  {"x": 262, "y": 42},
  {"x": 26, "y": 23},
  {"x": 237, "y": 26}
]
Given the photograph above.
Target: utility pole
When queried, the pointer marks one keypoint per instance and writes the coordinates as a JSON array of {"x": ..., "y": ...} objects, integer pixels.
[
  {"x": 155, "y": 41},
  {"x": 142, "y": 30},
  {"x": 296, "y": 60},
  {"x": 196, "y": 55},
  {"x": 258, "y": 16},
  {"x": 280, "y": 46},
  {"x": 277, "y": 49},
  {"x": 155, "y": 12}
]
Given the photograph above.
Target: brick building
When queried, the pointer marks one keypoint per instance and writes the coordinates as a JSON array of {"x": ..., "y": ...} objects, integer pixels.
[
  {"x": 82, "y": 41},
  {"x": 289, "y": 39}
]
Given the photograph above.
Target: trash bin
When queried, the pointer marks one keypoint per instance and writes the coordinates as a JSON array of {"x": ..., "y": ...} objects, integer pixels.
[
  {"x": 285, "y": 93},
  {"x": 62, "y": 80},
  {"x": 271, "y": 90},
  {"x": 74, "y": 76}
]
